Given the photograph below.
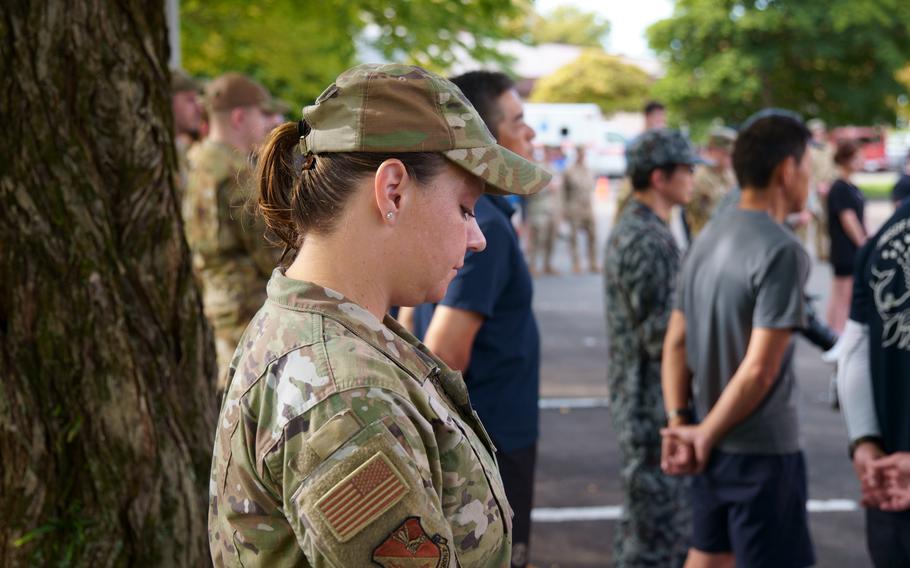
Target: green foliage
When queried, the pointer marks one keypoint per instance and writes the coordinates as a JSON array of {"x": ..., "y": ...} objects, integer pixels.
[
  {"x": 297, "y": 47},
  {"x": 835, "y": 59},
  {"x": 567, "y": 24},
  {"x": 596, "y": 77}
]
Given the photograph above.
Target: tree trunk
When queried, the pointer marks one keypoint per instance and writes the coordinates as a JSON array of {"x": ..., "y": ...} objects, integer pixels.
[{"x": 107, "y": 365}]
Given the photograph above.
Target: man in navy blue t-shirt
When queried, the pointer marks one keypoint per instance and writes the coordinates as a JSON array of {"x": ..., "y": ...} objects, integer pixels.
[
  {"x": 874, "y": 382},
  {"x": 485, "y": 326}
]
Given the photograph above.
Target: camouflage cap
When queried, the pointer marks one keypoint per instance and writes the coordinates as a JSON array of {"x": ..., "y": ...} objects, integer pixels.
[
  {"x": 721, "y": 137},
  {"x": 233, "y": 90},
  {"x": 816, "y": 124},
  {"x": 657, "y": 148},
  {"x": 403, "y": 108}
]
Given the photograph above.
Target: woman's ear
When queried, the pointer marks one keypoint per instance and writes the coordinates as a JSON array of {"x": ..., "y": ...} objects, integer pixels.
[{"x": 389, "y": 186}]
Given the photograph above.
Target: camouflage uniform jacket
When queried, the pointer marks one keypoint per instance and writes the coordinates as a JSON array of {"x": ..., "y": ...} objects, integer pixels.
[
  {"x": 640, "y": 270},
  {"x": 343, "y": 441},
  {"x": 710, "y": 186},
  {"x": 578, "y": 186},
  {"x": 230, "y": 253}
]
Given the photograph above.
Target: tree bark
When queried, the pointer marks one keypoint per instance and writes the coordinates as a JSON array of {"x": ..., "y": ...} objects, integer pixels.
[{"x": 107, "y": 409}]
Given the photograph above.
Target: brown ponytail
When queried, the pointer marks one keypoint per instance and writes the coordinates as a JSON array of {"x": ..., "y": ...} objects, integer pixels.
[
  {"x": 277, "y": 180},
  {"x": 295, "y": 200}
]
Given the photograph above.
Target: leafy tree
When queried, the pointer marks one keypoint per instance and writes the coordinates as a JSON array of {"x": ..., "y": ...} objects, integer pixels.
[
  {"x": 107, "y": 402},
  {"x": 835, "y": 59},
  {"x": 596, "y": 77},
  {"x": 567, "y": 24},
  {"x": 297, "y": 47}
]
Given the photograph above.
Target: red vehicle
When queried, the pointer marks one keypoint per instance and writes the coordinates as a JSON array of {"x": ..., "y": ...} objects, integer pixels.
[{"x": 871, "y": 140}]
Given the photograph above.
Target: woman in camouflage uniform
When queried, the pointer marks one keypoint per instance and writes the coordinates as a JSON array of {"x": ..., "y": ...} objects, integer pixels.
[{"x": 342, "y": 440}]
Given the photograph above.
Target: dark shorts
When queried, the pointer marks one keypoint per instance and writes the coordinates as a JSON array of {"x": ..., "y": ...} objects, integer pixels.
[{"x": 755, "y": 507}]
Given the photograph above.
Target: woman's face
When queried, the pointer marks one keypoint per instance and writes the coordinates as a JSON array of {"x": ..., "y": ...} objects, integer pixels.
[{"x": 437, "y": 230}]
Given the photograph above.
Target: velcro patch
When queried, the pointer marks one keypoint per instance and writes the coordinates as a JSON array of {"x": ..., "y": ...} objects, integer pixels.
[
  {"x": 409, "y": 546},
  {"x": 362, "y": 497}
]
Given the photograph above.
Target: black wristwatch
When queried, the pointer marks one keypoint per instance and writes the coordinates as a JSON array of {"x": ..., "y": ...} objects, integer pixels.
[{"x": 877, "y": 440}]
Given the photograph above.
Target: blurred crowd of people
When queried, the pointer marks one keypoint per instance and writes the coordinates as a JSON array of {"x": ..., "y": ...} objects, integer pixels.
[{"x": 704, "y": 271}]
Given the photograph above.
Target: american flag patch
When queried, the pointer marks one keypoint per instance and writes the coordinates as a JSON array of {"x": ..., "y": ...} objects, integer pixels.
[{"x": 361, "y": 497}]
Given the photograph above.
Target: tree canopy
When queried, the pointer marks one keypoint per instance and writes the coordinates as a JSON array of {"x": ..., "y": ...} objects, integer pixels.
[
  {"x": 596, "y": 77},
  {"x": 836, "y": 60},
  {"x": 296, "y": 48},
  {"x": 567, "y": 24}
]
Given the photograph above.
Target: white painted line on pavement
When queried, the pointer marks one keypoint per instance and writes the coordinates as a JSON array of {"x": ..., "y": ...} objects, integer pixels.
[
  {"x": 832, "y": 506},
  {"x": 612, "y": 513},
  {"x": 563, "y": 514},
  {"x": 551, "y": 403}
]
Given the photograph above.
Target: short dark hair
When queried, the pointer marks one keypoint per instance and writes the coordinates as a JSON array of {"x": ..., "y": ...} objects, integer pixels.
[
  {"x": 482, "y": 89},
  {"x": 846, "y": 149},
  {"x": 641, "y": 179},
  {"x": 765, "y": 142},
  {"x": 653, "y": 106}
]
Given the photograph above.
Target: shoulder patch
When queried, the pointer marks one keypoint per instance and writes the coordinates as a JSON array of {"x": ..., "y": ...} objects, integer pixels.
[
  {"x": 362, "y": 497},
  {"x": 409, "y": 545}
]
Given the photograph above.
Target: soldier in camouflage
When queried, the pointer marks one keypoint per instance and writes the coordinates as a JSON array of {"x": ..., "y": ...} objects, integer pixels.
[
  {"x": 231, "y": 255},
  {"x": 544, "y": 212},
  {"x": 187, "y": 120},
  {"x": 824, "y": 172},
  {"x": 578, "y": 187},
  {"x": 342, "y": 440},
  {"x": 712, "y": 181},
  {"x": 640, "y": 268}
]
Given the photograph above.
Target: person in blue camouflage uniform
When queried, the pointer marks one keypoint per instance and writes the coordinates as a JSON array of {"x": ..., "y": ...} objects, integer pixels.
[{"x": 640, "y": 270}]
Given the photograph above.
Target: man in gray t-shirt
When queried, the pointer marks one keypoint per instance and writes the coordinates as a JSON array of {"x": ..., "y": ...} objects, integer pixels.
[
  {"x": 729, "y": 352},
  {"x": 747, "y": 272}
]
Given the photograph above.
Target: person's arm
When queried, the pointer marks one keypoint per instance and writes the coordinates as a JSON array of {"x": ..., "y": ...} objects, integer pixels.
[
  {"x": 406, "y": 318},
  {"x": 854, "y": 386},
  {"x": 676, "y": 382},
  {"x": 852, "y": 227},
  {"x": 675, "y": 378},
  {"x": 746, "y": 390},
  {"x": 451, "y": 334}
]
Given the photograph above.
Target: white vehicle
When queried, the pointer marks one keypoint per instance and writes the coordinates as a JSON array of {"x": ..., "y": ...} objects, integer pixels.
[
  {"x": 897, "y": 145},
  {"x": 607, "y": 157},
  {"x": 581, "y": 124}
]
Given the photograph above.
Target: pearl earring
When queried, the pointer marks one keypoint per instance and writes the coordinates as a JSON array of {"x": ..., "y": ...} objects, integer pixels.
[{"x": 389, "y": 215}]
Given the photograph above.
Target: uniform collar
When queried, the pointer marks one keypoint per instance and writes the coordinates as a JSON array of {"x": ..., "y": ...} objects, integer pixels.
[
  {"x": 637, "y": 207},
  {"x": 387, "y": 336}
]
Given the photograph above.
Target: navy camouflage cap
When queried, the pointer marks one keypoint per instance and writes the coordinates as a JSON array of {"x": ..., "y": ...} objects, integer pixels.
[{"x": 657, "y": 148}]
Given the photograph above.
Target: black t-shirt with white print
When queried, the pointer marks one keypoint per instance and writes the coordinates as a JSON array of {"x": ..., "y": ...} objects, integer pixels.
[{"x": 881, "y": 299}]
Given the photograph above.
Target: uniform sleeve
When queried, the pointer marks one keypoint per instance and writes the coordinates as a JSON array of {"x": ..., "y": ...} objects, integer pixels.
[
  {"x": 250, "y": 228},
  {"x": 780, "y": 301},
  {"x": 484, "y": 276},
  {"x": 362, "y": 487},
  {"x": 648, "y": 273}
]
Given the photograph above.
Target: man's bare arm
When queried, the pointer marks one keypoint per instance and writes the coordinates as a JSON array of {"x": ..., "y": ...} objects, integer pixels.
[
  {"x": 451, "y": 335},
  {"x": 746, "y": 390},
  {"x": 675, "y": 378}
]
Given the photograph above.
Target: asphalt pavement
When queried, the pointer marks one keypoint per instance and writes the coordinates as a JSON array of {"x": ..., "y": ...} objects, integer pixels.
[{"x": 577, "y": 489}]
